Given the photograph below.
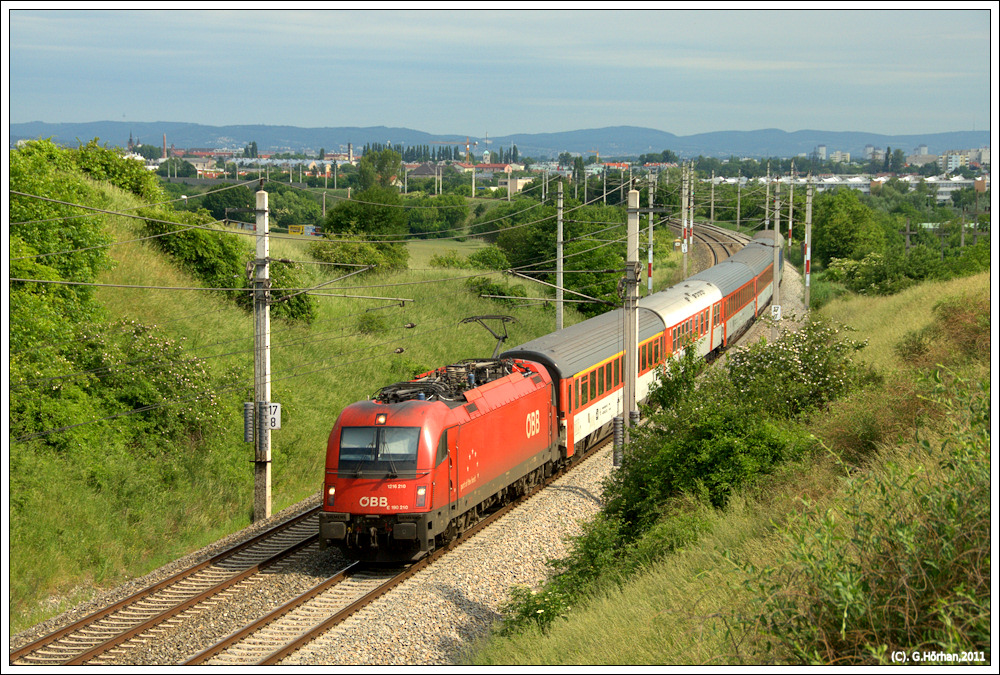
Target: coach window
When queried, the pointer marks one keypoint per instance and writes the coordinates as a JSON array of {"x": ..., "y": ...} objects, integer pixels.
[
  {"x": 599, "y": 374},
  {"x": 593, "y": 385},
  {"x": 618, "y": 372}
]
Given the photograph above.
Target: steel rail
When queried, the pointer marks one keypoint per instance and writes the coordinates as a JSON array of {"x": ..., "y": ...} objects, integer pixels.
[
  {"x": 145, "y": 593},
  {"x": 341, "y": 615}
]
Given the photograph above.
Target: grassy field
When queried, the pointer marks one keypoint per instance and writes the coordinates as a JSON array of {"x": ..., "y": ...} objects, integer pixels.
[{"x": 818, "y": 519}]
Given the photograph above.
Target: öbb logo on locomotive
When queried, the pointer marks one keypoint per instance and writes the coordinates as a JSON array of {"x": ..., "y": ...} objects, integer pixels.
[
  {"x": 533, "y": 424},
  {"x": 401, "y": 478}
]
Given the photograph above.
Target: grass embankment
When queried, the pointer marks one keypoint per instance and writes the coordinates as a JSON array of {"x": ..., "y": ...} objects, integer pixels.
[
  {"x": 92, "y": 516},
  {"x": 875, "y": 545}
]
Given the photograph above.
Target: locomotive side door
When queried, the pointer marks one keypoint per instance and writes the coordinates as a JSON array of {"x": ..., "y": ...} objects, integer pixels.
[{"x": 451, "y": 436}]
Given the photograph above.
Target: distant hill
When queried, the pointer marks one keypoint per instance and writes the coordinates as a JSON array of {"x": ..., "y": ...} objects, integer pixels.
[{"x": 610, "y": 142}]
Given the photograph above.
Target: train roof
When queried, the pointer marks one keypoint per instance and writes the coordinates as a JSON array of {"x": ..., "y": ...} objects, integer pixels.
[
  {"x": 581, "y": 346},
  {"x": 681, "y": 300},
  {"x": 574, "y": 349}
]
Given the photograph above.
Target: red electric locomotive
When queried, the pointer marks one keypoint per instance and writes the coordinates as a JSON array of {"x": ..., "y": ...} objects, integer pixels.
[{"x": 422, "y": 460}]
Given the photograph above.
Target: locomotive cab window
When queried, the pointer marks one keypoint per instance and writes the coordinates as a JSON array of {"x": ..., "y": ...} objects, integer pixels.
[{"x": 379, "y": 450}]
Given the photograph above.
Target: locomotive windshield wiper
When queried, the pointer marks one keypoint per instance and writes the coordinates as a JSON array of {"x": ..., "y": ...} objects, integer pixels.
[{"x": 372, "y": 456}]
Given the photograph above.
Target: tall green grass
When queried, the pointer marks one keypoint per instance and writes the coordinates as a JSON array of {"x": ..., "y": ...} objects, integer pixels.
[{"x": 886, "y": 320}]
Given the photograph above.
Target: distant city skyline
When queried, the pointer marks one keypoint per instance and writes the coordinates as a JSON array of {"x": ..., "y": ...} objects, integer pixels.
[{"x": 471, "y": 72}]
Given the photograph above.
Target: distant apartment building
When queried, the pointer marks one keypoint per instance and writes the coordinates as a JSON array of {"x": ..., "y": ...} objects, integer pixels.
[
  {"x": 838, "y": 156},
  {"x": 514, "y": 185},
  {"x": 952, "y": 161}
]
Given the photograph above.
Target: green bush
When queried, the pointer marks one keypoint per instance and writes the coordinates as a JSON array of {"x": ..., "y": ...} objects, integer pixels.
[
  {"x": 105, "y": 164},
  {"x": 487, "y": 286},
  {"x": 489, "y": 258},
  {"x": 353, "y": 251},
  {"x": 450, "y": 258},
  {"x": 801, "y": 371},
  {"x": 220, "y": 258}
]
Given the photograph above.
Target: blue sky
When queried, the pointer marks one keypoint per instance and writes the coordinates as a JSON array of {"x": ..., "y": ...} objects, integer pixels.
[{"x": 476, "y": 72}]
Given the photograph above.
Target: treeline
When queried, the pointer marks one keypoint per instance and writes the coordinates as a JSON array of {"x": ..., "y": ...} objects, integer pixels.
[
  {"x": 863, "y": 243},
  {"x": 441, "y": 153}
]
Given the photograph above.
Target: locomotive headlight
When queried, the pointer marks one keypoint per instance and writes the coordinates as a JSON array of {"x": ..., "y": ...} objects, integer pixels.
[
  {"x": 421, "y": 495},
  {"x": 380, "y": 419},
  {"x": 330, "y": 491}
]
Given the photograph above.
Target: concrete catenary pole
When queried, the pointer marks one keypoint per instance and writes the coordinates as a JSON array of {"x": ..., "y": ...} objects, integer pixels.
[
  {"x": 711, "y": 217},
  {"x": 631, "y": 314},
  {"x": 791, "y": 194},
  {"x": 684, "y": 210},
  {"x": 649, "y": 271},
  {"x": 262, "y": 365},
  {"x": 775, "y": 286},
  {"x": 559, "y": 257},
  {"x": 808, "y": 245},
  {"x": 691, "y": 181},
  {"x": 739, "y": 190}
]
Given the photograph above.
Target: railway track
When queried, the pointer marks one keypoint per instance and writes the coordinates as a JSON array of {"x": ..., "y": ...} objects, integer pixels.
[
  {"x": 719, "y": 241},
  {"x": 114, "y": 628},
  {"x": 300, "y": 621}
]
